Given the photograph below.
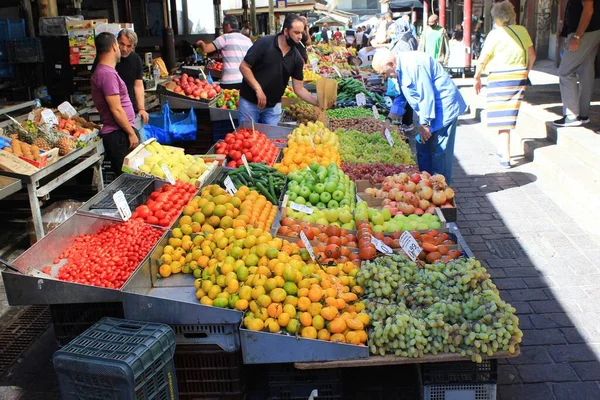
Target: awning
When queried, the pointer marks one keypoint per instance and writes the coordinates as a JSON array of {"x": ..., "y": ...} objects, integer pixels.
[
  {"x": 292, "y": 8},
  {"x": 331, "y": 20},
  {"x": 405, "y": 5}
]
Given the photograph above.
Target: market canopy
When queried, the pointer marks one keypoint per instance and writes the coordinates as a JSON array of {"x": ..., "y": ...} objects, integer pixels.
[
  {"x": 405, "y": 4},
  {"x": 331, "y": 20}
]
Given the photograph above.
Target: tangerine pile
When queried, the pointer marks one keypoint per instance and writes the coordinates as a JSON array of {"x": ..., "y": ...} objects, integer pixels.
[{"x": 298, "y": 156}]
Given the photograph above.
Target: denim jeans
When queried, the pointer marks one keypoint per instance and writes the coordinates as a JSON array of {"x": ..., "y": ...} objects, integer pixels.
[
  {"x": 436, "y": 155},
  {"x": 251, "y": 112}
]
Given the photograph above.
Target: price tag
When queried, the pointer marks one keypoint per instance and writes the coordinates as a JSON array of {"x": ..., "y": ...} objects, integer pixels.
[
  {"x": 252, "y": 121},
  {"x": 358, "y": 197},
  {"x": 229, "y": 186},
  {"x": 361, "y": 99},
  {"x": 122, "y": 206},
  {"x": 315, "y": 64},
  {"x": 232, "y": 124},
  {"x": 312, "y": 142},
  {"x": 168, "y": 174},
  {"x": 380, "y": 246},
  {"x": 388, "y": 101},
  {"x": 48, "y": 117},
  {"x": 307, "y": 244},
  {"x": 375, "y": 112},
  {"x": 31, "y": 116},
  {"x": 337, "y": 71},
  {"x": 410, "y": 246},
  {"x": 301, "y": 207},
  {"x": 389, "y": 137},
  {"x": 57, "y": 66},
  {"x": 245, "y": 161},
  {"x": 67, "y": 109}
]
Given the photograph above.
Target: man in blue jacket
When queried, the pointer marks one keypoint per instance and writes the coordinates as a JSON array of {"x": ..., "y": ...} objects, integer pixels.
[{"x": 435, "y": 98}]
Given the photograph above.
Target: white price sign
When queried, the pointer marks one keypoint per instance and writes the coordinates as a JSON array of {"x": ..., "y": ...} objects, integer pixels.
[
  {"x": 67, "y": 109},
  {"x": 232, "y": 124},
  {"x": 168, "y": 174},
  {"x": 245, "y": 161},
  {"x": 48, "y": 117},
  {"x": 315, "y": 63},
  {"x": 388, "y": 101},
  {"x": 229, "y": 186},
  {"x": 31, "y": 116},
  {"x": 380, "y": 246},
  {"x": 307, "y": 245},
  {"x": 122, "y": 206},
  {"x": 375, "y": 112},
  {"x": 361, "y": 99},
  {"x": 337, "y": 71},
  {"x": 410, "y": 246},
  {"x": 389, "y": 137},
  {"x": 301, "y": 207}
]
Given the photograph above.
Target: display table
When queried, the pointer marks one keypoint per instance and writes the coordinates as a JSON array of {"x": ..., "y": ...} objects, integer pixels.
[
  {"x": 9, "y": 186},
  {"x": 91, "y": 155}
]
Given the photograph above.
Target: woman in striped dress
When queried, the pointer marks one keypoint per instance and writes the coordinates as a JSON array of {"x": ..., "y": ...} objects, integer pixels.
[{"x": 507, "y": 56}]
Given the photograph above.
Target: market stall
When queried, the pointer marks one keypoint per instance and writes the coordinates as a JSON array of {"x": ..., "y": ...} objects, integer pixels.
[{"x": 321, "y": 245}]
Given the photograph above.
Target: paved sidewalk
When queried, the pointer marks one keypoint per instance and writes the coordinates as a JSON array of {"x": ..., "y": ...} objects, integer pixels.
[{"x": 544, "y": 264}]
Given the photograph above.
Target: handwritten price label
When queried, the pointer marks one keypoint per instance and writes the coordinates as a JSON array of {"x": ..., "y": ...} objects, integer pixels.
[
  {"x": 67, "y": 109},
  {"x": 48, "y": 117},
  {"x": 168, "y": 174},
  {"x": 122, "y": 206},
  {"x": 229, "y": 186},
  {"x": 245, "y": 161},
  {"x": 337, "y": 71},
  {"x": 301, "y": 207},
  {"x": 375, "y": 112},
  {"x": 380, "y": 246},
  {"x": 232, "y": 124},
  {"x": 315, "y": 63},
  {"x": 410, "y": 246},
  {"x": 307, "y": 244},
  {"x": 389, "y": 137},
  {"x": 361, "y": 99}
]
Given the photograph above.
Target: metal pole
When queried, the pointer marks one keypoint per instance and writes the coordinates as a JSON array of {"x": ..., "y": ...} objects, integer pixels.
[
  {"x": 26, "y": 4},
  {"x": 271, "y": 17},
  {"x": 425, "y": 15},
  {"x": 467, "y": 12},
  {"x": 185, "y": 16},
  {"x": 128, "y": 14},
  {"x": 442, "y": 5},
  {"x": 174, "y": 19},
  {"x": 48, "y": 8},
  {"x": 253, "y": 22},
  {"x": 217, "y": 4},
  {"x": 245, "y": 12},
  {"x": 413, "y": 16}
]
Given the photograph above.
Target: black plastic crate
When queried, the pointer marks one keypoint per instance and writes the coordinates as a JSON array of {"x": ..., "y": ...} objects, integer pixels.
[
  {"x": 118, "y": 359},
  {"x": 393, "y": 382},
  {"x": 289, "y": 383},
  {"x": 221, "y": 128},
  {"x": 207, "y": 372},
  {"x": 71, "y": 320},
  {"x": 28, "y": 50},
  {"x": 460, "y": 372}
]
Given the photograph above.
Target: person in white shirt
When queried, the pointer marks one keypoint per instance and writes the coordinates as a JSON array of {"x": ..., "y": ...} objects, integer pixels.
[{"x": 366, "y": 55}]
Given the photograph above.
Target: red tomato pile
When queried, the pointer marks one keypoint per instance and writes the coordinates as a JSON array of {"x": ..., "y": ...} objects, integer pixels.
[
  {"x": 436, "y": 246},
  {"x": 108, "y": 257},
  {"x": 165, "y": 204},
  {"x": 254, "y": 144},
  {"x": 196, "y": 88}
]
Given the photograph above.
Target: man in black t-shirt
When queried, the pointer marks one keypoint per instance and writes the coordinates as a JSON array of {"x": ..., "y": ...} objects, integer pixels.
[
  {"x": 581, "y": 28},
  {"x": 267, "y": 68},
  {"x": 131, "y": 70}
]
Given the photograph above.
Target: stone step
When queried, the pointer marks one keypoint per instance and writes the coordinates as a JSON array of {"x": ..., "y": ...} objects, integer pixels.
[{"x": 581, "y": 142}]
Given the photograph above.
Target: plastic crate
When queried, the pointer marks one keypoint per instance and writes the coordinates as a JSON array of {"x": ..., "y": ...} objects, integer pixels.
[
  {"x": 71, "y": 320},
  {"x": 460, "y": 372},
  {"x": 207, "y": 372},
  {"x": 28, "y": 50},
  {"x": 475, "y": 391},
  {"x": 118, "y": 359},
  {"x": 12, "y": 29},
  {"x": 221, "y": 128},
  {"x": 7, "y": 70},
  {"x": 286, "y": 382},
  {"x": 226, "y": 336},
  {"x": 393, "y": 382},
  {"x": 3, "y": 51}
]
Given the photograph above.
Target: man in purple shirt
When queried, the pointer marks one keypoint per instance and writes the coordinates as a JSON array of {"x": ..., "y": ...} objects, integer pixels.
[{"x": 111, "y": 98}]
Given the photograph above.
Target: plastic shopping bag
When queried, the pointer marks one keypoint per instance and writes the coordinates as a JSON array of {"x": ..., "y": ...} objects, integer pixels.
[
  {"x": 158, "y": 126},
  {"x": 183, "y": 126}
]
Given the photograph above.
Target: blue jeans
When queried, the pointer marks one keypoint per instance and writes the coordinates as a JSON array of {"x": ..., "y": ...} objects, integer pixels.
[
  {"x": 251, "y": 112},
  {"x": 436, "y": 155}
]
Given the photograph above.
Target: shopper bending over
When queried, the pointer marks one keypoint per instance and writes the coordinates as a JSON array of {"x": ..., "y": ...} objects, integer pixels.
[
  {"x": 233, "y": 46},
  {"x": 508, "y": 56},
  {"x": 110, "y": 96},
  {"x": 267, "y": 68},
  {"x": 431, "y": 93}
]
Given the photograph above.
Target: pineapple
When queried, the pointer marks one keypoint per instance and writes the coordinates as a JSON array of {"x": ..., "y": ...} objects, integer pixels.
[
  {"x": 51, "y": 137},
  {"x": 64, "y": 146},
  {"x": 42, "y": 143}
]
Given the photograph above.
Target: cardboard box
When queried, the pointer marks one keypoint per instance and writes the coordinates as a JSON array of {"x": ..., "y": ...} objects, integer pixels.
[
  {"x": 12, "y": 163},
  {"x": 47, "y": 158}
]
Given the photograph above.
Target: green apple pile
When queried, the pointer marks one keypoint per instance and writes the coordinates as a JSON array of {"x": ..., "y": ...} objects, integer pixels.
[
  {"x": 382, "y": 219},
  {"x": 341, "y": 217},
  {"x": 321, "y": 187}
]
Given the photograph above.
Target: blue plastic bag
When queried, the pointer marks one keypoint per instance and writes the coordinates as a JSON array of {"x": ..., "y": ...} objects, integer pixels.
[
  {"x": 183, "y": 126},
  {"x": 158, "y": 126},
  {"x": 392, "y": 87}
]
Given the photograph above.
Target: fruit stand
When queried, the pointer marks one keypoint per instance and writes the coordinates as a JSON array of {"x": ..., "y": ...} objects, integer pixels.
[{"x": 335, "y": 254}]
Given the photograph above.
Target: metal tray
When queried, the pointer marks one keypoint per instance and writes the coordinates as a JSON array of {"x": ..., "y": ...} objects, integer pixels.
[
  {"x": 220, "y": 114},
  {"x": 25, "y": 290},
  {"x": 270, "y": 131},
  {"x": 171, "y": 300},
  {"x": 268, "y": 348}
]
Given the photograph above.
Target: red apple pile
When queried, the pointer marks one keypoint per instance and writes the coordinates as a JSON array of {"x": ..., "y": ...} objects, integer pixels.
[
  {"x": 195, "y": 88},
  {"x": 417, "y": 193},
  {"x": 252, "y": 143}
]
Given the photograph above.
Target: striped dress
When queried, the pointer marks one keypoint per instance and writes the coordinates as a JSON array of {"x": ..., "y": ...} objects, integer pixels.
[{"x": 505, "y": 91}]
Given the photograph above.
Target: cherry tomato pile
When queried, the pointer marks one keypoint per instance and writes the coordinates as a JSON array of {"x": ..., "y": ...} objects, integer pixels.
[
  {"x": 436, "y": 246},
  {"x": 254, "y": 144},
  {"x": 165, "y": 204},
  {"x": 108, "y": 257}
]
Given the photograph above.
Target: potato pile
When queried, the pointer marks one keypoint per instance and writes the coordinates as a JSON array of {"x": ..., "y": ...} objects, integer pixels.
[
  {"x": 305, "y": 113},
  {"x": 18, "y": 148},
  {"x": 365, "y": 125}
]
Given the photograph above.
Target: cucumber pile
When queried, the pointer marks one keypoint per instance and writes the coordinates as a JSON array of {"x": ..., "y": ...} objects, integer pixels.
[
  {"x": 350, "y": 87},
  {"x": 266, "y": 180}
]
